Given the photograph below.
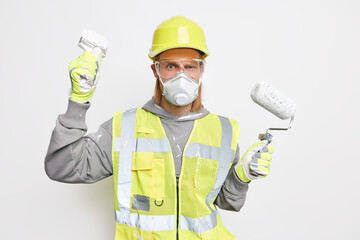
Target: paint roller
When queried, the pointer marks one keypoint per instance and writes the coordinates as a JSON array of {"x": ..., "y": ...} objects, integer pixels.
[{"x": 275, "y": 102}]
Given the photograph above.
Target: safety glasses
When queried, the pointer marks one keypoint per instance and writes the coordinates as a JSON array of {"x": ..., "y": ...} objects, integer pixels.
[{"x": 167, "y": 68}]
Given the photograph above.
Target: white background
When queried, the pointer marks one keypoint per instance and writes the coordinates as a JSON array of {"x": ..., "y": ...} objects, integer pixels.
[{"x": 309, "y": 50}]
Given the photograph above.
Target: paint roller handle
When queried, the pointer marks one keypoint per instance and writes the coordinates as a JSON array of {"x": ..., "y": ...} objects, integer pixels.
[
  {"x": 266, "y": 136},
  {"x": 269, "y": 137}
]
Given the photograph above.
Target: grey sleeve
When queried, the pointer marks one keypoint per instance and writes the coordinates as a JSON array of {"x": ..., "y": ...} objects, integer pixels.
[
  {"x": 73, "y": 157},
  {"x": 233, "y": 192}
]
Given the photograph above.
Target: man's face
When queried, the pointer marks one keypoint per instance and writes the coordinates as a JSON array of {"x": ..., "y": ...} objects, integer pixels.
[{"x": 172, "y": 61}]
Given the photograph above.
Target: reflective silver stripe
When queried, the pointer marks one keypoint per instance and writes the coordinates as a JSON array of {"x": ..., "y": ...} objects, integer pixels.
[
  {"x": 152, "y": 145},
  {"x": 125, "y": 144},
  {"x": 206, "y": 151},
  {"x": 199, "y": 225},
  {"x": 222, "y": 171},
  {"x": 226, "y": 137},
  {"x": 146, "y": 222}
]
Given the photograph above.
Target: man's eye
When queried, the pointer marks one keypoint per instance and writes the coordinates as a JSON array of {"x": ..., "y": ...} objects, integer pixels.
[
  {"x": 191, "y": 66},
  {"x": 170, "y": 67}
]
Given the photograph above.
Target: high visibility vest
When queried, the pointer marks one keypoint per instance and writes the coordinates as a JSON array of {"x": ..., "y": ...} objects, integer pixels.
[{"x": 149, "y": 204}]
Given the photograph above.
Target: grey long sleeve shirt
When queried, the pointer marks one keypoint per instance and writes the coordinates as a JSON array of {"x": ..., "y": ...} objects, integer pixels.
[{"x": 74, "y": 157}]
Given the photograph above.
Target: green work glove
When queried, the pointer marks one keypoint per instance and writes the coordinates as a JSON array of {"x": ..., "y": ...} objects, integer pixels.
[
  {"x": 84, "y": 75},
  {"x": 255, "y": 163}
]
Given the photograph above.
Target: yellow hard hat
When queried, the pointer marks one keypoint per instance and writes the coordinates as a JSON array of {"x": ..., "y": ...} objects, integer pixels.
[{"x": 178, "y": 32}]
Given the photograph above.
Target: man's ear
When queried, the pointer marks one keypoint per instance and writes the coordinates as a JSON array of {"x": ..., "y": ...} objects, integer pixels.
[{"x": 154, "y": 71}]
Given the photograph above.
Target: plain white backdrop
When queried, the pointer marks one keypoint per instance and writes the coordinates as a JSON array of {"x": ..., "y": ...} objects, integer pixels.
[{"x": 307, "y": 49}]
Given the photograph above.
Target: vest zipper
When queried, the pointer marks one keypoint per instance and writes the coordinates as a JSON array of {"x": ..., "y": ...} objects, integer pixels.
[
  {"x": 178, "y": 180},
  {"x": 177, "y": 207},
  {"x": 178, "y": 176}
]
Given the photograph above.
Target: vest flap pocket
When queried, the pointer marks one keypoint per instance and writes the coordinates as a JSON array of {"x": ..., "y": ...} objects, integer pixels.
[
  {"x": 142, "y": 161},
  {"x": 145, "y": 130}
]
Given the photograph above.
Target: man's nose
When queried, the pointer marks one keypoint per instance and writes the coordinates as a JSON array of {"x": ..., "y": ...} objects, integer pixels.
[{"x": 182, "y": 69}]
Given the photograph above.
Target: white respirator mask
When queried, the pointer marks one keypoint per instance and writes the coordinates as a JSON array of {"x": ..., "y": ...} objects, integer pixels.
[{"x": 181, "y": 89}]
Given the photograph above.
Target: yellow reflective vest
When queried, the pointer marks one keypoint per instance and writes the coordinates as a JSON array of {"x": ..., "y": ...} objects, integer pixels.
[{"x": 150, "y": 202}]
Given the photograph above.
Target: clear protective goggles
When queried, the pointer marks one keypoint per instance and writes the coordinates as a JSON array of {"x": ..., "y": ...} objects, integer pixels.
[{"x": 168, "y": 68}]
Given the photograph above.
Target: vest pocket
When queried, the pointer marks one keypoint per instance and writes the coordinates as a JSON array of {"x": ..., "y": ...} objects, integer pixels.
[
  {"x": 205, "y": 175},
  {"x": 148, "y": 175},
  {"x": 142, "y": 174}
]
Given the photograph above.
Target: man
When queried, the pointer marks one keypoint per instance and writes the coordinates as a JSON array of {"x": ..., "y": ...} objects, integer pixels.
[{"x": 172, "y": 160}]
